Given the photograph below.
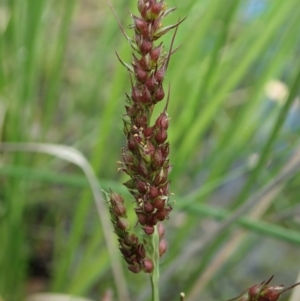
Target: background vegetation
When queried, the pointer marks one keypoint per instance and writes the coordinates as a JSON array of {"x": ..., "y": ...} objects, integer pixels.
[{"x": 234, "y": 135}]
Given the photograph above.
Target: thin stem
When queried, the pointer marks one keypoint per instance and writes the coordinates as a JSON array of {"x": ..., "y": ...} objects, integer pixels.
[{"x": 155, "y": 260}]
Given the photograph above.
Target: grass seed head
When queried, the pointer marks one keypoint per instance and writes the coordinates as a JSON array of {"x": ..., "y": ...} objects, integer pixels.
[{"x": 145, "y": 156}]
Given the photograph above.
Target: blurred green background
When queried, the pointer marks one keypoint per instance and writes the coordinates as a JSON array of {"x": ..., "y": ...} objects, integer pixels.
[{"x": 234, "y": 135}]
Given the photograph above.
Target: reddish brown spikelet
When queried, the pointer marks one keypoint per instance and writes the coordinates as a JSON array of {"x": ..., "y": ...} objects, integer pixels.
[
  {"x": 159, "y": 203},
  {"x": 148, "y": 229},
  {"x": 134, "y": 268},
  {"x": 148, "y": 208},
  {"x": 161, "y": 230},
  {"x": 156, "y": 8},
  {"x": 116, "y": 198},
  {"x": 162, "y": 247},
  {"x": 155, "y": 53},
  {"x": 122, "y": 223},
  {"x": 161, "y": 136},
  {"x": 153, "y": 192},
  {"x": 162, "y": 121},
  {"x": 148, "y": 265}
]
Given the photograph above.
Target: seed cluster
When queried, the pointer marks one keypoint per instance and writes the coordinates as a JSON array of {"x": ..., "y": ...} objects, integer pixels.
[
  {"x": 145, "y": 160},
  {"x": 132, "y": 250},
  {"x": 145, "y": 156},
  {"x": 264, "y": 292}
]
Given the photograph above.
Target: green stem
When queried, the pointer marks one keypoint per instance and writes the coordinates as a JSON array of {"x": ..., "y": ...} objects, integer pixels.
[{"x": 155, "y": 260}]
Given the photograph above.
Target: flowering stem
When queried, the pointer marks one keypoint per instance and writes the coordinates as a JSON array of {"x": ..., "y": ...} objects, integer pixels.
[
  {"x": 155, "y": 259},
  {"x": 145, "y": 153}
]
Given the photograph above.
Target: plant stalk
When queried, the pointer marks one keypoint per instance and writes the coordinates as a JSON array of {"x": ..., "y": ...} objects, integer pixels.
[{"x": 155, "y": 259}]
